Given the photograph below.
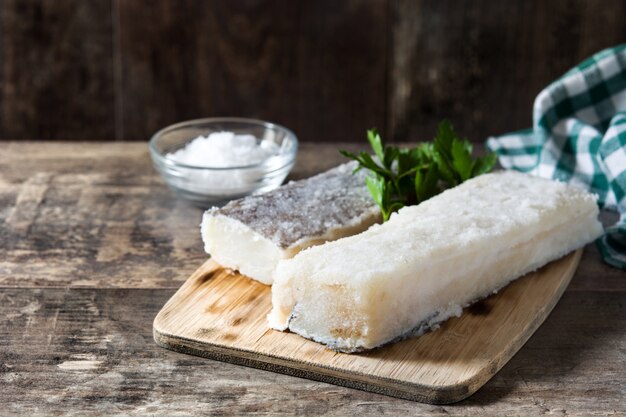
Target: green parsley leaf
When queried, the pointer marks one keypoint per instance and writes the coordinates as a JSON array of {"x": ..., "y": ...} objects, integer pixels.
[
  {"x": 484, "y": 164},
  {"x": 461, "y": 160},
  {"x": 407, "y": 176},
  {"x": 376, "y": 143},
  {"x": 376, "y": 186},
  {"x": 426, "y": 183}
]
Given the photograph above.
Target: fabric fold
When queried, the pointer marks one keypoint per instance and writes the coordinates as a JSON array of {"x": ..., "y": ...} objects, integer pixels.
[{"x": 579, "y": 137}]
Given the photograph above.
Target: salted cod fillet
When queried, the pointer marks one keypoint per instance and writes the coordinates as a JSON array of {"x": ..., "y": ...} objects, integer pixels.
[
  {"x": 429, "y": 261},
  {"x": 252, "y": 234}
]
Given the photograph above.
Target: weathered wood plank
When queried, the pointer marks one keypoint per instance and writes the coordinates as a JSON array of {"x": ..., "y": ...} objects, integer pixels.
[
  {"x": 482, "y": 63},
  {"x": 329, "y": 70},
  {"x": 56, "y": 77},
  {"x": 317, "y": 66},
  {"x": 98, "y": 215},
  {"x": 128, "y": 163},
  {"x": 90, "y": 351},
  {"x": 86, "y": 351}
]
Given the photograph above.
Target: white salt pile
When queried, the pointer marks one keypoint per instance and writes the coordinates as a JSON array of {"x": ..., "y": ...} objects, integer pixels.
[{"x": 224, "y": 150}]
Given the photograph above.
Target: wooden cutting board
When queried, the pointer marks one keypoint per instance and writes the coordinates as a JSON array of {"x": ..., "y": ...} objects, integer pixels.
[{"x": 220, "y": 315}]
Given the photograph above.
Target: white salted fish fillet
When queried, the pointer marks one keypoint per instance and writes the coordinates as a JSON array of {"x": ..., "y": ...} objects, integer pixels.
[
  {"x": 429, "y": 261},
  {"x": 252, "y": 234}
]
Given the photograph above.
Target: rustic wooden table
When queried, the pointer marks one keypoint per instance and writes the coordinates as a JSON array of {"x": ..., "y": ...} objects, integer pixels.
[{"x": 92, "y": 244}]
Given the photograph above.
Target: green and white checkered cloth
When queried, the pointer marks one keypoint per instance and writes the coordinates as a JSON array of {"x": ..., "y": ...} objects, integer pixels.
[{"x": 579, "y": 137}]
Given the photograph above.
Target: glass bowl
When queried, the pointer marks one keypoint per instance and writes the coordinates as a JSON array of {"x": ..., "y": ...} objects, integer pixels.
[{"x": 207, "y": 186}]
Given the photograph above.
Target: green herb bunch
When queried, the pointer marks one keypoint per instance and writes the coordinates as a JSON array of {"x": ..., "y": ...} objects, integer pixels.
[{"x": 406, "y": 176}]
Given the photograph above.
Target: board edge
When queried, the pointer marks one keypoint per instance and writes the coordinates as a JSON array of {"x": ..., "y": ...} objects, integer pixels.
[{"x": 443, "y": 395}]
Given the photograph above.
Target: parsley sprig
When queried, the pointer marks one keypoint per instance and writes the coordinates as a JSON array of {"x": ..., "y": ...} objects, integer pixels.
[{"x": 406, "y": 176}]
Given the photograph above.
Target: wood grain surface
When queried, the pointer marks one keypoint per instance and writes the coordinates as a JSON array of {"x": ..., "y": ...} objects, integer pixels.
[
  {"x": 328, "y": 69},
  {"x": 76, "y": 328},
  {"x": 482, "y": 63},
  {"x": 315, "y": 66},
  {"x": 221, "y": 315},
  {"x": 56, "y": 69}
]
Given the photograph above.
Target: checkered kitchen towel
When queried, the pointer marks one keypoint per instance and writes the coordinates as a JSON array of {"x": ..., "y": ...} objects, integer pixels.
[{"x": 579, "y": 136}]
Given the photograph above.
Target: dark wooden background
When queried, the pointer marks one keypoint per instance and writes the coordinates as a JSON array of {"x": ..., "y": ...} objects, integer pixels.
[{"x": 121, "y": 69}]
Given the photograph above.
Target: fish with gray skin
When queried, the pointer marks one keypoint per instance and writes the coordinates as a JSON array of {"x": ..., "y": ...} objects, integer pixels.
[
  {"x": 430, "y": 261},
  {"x": 252, "y": 234}
]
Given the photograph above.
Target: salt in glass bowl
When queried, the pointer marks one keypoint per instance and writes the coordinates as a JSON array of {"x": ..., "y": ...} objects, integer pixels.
[{"x": 207, "y": 186}]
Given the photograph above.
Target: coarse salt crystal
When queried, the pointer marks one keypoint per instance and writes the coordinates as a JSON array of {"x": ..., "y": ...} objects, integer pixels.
[{"x": 222, "y": 150}]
